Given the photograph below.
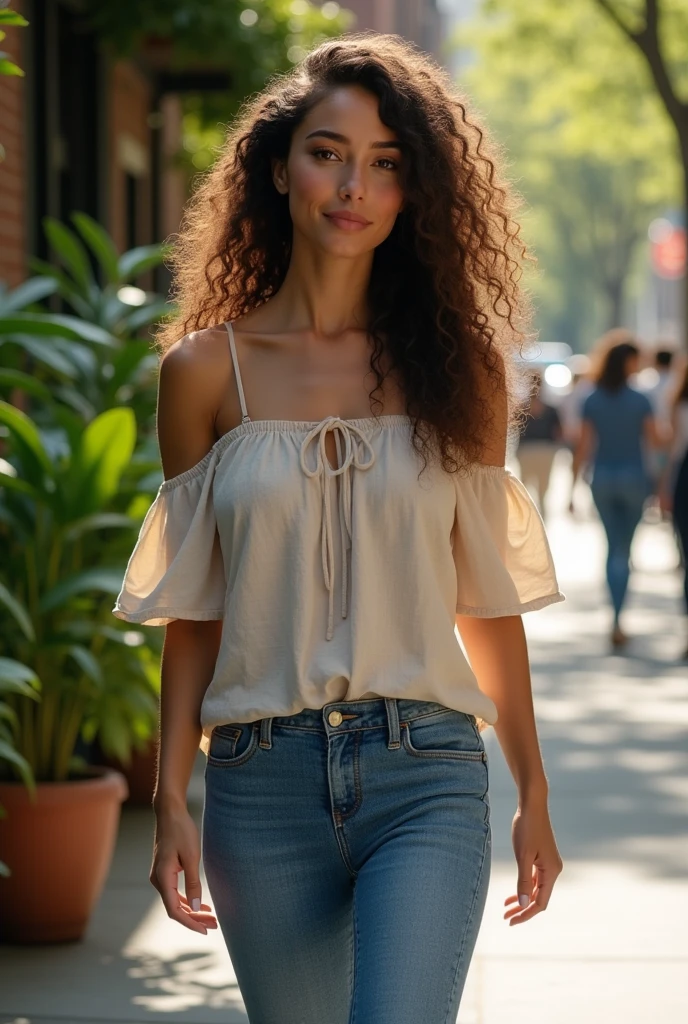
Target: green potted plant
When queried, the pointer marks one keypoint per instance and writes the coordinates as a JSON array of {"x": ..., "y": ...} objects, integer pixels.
[
  {"x": 60, "y": 524},
  {"x": 15, "y": 678}
]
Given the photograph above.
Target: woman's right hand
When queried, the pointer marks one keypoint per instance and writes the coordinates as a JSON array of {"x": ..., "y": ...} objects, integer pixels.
[{"x": 177, "y": 848}]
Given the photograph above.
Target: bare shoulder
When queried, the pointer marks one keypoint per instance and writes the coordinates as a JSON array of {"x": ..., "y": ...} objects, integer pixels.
[{"x": 195, "y": 373}]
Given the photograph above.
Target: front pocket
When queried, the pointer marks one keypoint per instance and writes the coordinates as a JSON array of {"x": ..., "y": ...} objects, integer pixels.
[
  {"x": 232, "y": 745},
  {"x": 449, "y": 734}
]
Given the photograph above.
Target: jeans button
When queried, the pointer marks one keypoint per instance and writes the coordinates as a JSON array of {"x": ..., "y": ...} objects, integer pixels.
[{"x": 335, "y": 718}]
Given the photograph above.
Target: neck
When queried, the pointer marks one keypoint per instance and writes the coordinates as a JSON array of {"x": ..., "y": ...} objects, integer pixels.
[{"x": 323, "y": 294}]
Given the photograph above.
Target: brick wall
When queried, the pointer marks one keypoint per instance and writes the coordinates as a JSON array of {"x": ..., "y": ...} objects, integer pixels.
[{"x": 12, "y": 173}]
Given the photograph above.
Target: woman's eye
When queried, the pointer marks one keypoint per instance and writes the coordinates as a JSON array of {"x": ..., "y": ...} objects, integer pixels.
[
  {"x": 324, "y": 154},
  {"x": 389, "y": 165}
]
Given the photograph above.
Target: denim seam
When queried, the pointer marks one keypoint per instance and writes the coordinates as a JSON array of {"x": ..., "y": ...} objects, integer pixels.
[
  {"x": 469, "y": 921},
  {"x": 455, "y": 755},
  {"x": 343, "y": 845},
  {"x": 355, "y": 944},
  {"x": 235, "y": 762},
  {"x": 343, "y": 816},
  {"x": 361, "y": 728}
]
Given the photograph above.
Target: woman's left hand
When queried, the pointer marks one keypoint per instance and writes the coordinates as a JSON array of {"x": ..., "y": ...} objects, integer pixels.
[{"x": 539, "y": 863}]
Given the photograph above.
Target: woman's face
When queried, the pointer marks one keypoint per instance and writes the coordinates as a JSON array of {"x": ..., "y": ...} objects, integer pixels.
[{"x": 342, "y": 175}]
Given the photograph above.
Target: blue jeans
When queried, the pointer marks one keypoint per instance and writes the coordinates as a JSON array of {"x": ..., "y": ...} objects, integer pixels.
[
  {"x": 348, "y": 852},
  {"x": 619, "y": 495}
]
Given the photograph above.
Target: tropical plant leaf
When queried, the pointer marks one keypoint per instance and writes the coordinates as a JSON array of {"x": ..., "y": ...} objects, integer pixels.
[
  {"x": 137, "y": 261},
  {"x": 12, "y": 18},
  {"x": 99, "y": 521},
  {"x": 100, "y": 244},
  {"x": 69, "y": 251},
  {"x": 104, "y": 452},
  {"x": 107, "y": 581},
  {"x": 87, "y": 662},
  {"x": 16, "y": 677},
  {"x": 28, "y": 292},
  {"x": 25, "y": 382},
  {"x": 59, "y": 324},
  {"x": 147, "y": 314},
  {"x": 27, "y": 440},
  {"x": 15, "y": 483},
  {"x": 44, "y": 351},
  {"x": 8, "y": 753}
]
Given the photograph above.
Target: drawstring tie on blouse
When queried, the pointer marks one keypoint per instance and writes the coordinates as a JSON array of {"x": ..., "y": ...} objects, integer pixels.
[{"x": 353, "y": 439}]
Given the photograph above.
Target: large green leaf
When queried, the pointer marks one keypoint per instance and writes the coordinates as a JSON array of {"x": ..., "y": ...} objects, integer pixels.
[
  {"x": 15, "y": 483},
  {"x": 27, "y": 440},
  {"x": 18, "y": 612},
  {"x": 67, "y": 288},
  {"x": 87, "y": 662},
  {"x": 33, "y": 290},
  {"x": 107, "y": 581},
  {"x": 24, "y": 382},
  {"x": 8, "y": 753},
  {"x": 44, "y": 351},
  {"x": 12, "y": 18},
  {"x": 104, "y": 452},
  {"x": 148, "y": 314},
  {"x": 70, "y": 251},
  {"x": 99, "y": 521},
  {"x": 137, "y": 261},
  {"x": 100, "y": 244},
  {"x": 59, "y": 324},
  {"x": 18, "y": 678}
]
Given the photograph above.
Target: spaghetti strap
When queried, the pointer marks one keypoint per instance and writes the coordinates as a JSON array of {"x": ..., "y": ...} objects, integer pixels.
[{"x": 245, "y": 418}]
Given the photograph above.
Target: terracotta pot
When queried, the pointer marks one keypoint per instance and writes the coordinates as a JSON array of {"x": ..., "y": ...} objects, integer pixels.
[{"x": 59, "y": 851}]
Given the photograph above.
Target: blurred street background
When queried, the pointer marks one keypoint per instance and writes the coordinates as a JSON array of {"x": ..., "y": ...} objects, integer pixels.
[{"x": 108, "y": 111}]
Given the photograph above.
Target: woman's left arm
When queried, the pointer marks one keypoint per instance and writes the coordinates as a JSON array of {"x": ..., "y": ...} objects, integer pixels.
[{"x": 497, "y": 651}]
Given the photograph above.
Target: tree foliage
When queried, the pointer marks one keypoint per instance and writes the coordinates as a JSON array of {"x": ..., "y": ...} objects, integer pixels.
[{"x": 589, "y": 142}]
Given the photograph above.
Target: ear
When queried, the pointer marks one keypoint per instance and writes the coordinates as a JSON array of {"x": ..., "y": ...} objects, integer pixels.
[{"x": 279, "y": 176}]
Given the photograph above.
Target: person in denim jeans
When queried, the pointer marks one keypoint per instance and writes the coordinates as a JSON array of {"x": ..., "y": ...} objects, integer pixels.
[
  {"x": 312, "y": 562},
  {"x": 617, "y": 425}
]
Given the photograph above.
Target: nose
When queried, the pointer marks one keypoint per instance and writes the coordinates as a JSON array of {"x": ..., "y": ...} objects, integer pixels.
[{"x": 352, "y": 186}]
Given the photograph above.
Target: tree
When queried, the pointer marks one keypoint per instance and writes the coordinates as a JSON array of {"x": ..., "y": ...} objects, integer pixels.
[
  {"x": 660, "y": 33},
  {"x": 590, "y": 149}
]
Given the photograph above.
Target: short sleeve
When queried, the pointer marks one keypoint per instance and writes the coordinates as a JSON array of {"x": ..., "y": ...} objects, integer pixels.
[
  {"x": 503, "y": 561},
  {"x": 176, "y": 569}
]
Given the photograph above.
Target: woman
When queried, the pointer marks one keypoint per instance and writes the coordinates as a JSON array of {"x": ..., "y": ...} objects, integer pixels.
[
  {"x": 617, "y": 422},
  {"x": 674, "y": 486},
  {"x": 310, "y": 559},
  {"x": 538, "y": 443}
]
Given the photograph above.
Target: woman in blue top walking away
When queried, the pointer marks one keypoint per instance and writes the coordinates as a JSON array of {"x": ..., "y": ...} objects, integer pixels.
[{"x": 617, "y": 424}]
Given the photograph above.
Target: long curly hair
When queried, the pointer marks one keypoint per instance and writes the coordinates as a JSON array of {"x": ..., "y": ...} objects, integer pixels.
[{"x": 444, "y": 295}]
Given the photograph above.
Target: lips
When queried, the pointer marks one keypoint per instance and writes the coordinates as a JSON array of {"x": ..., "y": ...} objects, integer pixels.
[{"x": 347, "y": 221}]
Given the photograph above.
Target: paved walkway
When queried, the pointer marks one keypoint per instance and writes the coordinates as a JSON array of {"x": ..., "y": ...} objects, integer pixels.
[{"x": 613, "y": 946}]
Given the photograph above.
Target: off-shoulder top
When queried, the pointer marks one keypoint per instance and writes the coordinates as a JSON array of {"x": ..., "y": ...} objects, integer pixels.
[{"x": 335, "y": 582}]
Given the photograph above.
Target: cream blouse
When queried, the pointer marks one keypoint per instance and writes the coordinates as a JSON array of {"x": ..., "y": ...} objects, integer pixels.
[{"x": 337, "y": 582}]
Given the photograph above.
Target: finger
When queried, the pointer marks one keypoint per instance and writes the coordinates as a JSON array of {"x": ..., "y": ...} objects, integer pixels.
[
  {"x": 526, "y": 881},
  {"x": 192, "y": 883},
  {"x": 204, "y": 915},
  {"x": 167, "y": 887}
]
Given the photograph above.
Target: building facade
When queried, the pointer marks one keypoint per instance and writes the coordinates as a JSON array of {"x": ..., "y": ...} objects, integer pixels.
[{"x": 417, "y": 20}]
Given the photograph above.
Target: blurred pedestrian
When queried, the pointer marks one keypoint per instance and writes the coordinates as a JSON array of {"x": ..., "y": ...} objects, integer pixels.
[
  {"x": 539, "y": 443},
  {"x": 674, "y": 487},
  {"x": 618, "y": 425},
  {"x": 660, "y": 392}
]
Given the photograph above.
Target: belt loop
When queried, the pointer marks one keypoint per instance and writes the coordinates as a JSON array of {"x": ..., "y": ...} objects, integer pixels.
[
  {"x": 266, "y": 733},
  {"x": 392, "y": 708}
]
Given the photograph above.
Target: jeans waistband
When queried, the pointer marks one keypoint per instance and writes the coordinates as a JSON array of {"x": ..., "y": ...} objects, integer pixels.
[{"x": 349, "y": 716}]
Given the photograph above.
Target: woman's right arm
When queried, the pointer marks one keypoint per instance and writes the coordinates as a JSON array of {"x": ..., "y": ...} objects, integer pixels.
[{"x": 188, "y": 395}]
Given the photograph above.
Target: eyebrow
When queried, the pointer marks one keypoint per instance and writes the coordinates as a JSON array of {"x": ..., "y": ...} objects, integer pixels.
[{"x": 325, "y": 133}]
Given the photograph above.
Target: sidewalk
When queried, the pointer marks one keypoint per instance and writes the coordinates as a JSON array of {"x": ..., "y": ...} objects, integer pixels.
[{"x": 613, "y": 946}]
